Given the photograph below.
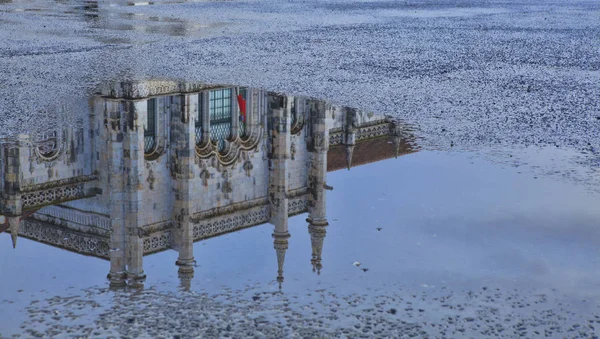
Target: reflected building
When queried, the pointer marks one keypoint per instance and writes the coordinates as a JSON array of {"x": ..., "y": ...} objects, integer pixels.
[{"x": 159, "y": 165}]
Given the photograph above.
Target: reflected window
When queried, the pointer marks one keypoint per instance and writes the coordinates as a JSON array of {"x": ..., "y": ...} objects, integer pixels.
[
  {"x": 198, "y": 126},
  {"x": 150, "y": 127},
  {"x": 48, "y": 147},
  {"x": 220, "y": 116},
  {"x": 241, "y": 100},
  {"x": 293, "y": 113}
]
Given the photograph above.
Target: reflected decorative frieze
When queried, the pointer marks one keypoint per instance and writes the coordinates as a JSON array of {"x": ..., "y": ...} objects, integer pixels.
[
  {"x": 82, "y": 243},
  {"x": 162, "y": 164}
]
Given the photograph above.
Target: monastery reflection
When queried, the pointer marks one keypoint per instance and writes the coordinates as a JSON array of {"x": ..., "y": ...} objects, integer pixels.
[{"x": 162, "y": 164}]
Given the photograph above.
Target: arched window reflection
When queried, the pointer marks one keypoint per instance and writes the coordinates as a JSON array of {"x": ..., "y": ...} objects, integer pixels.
[
  {"x": 220, "y": 116},
  {"x": 294, "y": 113},
  {"x": 150, "y": 127},
  {"x": 198, "y": 126},
  {"x": 49, "y": 146}
]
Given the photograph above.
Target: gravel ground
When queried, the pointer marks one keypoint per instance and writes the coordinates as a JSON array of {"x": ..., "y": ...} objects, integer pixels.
[
  {"x": 467, "y": 73},
  {"x": 248, "y": 313}
]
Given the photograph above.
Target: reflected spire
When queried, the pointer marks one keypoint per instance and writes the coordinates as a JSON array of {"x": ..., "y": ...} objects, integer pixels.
[
  {"x": 349, "y": 153},
  {"x": 397, "y": 141},
  {"x": 350, "y": 135},
  {"x": 280, "y": 243},
  {"x": 397, "y": 138},
  {"x": 14, "y": 223},
  {"x": 317, "y": 232}
]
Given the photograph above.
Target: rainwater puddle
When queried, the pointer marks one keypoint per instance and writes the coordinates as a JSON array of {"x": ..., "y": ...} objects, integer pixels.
[{"x": 229, "y": 211}]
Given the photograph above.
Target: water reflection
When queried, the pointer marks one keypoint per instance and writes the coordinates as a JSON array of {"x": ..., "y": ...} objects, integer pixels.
[{"x": 160, "y": 164}]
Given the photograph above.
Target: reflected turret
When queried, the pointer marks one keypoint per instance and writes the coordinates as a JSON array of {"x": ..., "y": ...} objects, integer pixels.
[
  {"x": 185, "y": 274},
  {"x": 280, "y": 243},
  {"x": 349, "y": 134},
  {"x": 317, "y": 214},
  {"x": 317, "y": 236},
  {"x": 399, "y": 139},
  {"x": 349, "y": 153},
  {"x": 279, "y": 111},
  {"x": 13, "y": 226}
]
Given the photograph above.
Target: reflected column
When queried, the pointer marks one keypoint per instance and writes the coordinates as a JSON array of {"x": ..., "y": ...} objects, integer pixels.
[
  {"x": 134, "y": 166},
  {"x": 184, "y": 141},
  {"x": 11, "y": 196},
  {"x": 317, "y": 216},
  {"x": 114, "y": 152},
  {"x": 235, "y": 113},
  {"x": 350, "y": 123},
  {"x": 204, "y": 107},
  {"x": 278, "y": 112},
  {"x": 13, "y": 226},
  {"x": 398, "y": 138}
]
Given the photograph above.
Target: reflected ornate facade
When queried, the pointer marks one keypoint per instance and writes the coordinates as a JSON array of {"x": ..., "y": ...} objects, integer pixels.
[{"x": 160, "y": 164}]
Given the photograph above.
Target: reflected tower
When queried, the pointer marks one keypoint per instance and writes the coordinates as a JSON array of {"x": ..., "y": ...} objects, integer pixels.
[
  {"x": 183, "y": 173},
  {"x": 317, "y": 216},
  {"x": 279, "y": 114}
]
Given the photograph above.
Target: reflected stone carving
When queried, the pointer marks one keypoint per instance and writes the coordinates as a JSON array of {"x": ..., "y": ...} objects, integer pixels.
[
  {"x": 53, "y": 195},
  {"x": 151, "y": 179},
  {"x": 297, "y": 119},
  {"x": 232, "y": 149},
  {"x": 297, "y": 205},
  {"x": 336, "y": 136},
  {"x": 50, "y": 147},
  {"x": 226, "y": 174},
  {"x": 319, "y": 139},
  {"x": 148, "y": 88},
  {"x": 293, "y": 151},
  {"x": 248, "y": 167},
  {"x": 230, "y": 223},
  {"x": 50, "y": 172},
  {"x": 317, "y": 236},
  {"x": 58, "y": 215},
  {"x": 31, "y": 161},
  {"x": 205, "y": 175},
  {"x": 157, "y": 242},
  {"x": 30, "y": 187},
  {"x": 72, "y": 241},
  {"x": 226, "y": 188},
  {"x": 372, "y": 130}
]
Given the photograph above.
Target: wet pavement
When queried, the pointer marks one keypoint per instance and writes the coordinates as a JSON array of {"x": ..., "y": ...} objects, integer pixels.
[{"x": 469, "y": 209}]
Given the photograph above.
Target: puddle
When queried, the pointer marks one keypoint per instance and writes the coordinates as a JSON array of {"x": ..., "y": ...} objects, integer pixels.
[{"x": 271, "y": 207}]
